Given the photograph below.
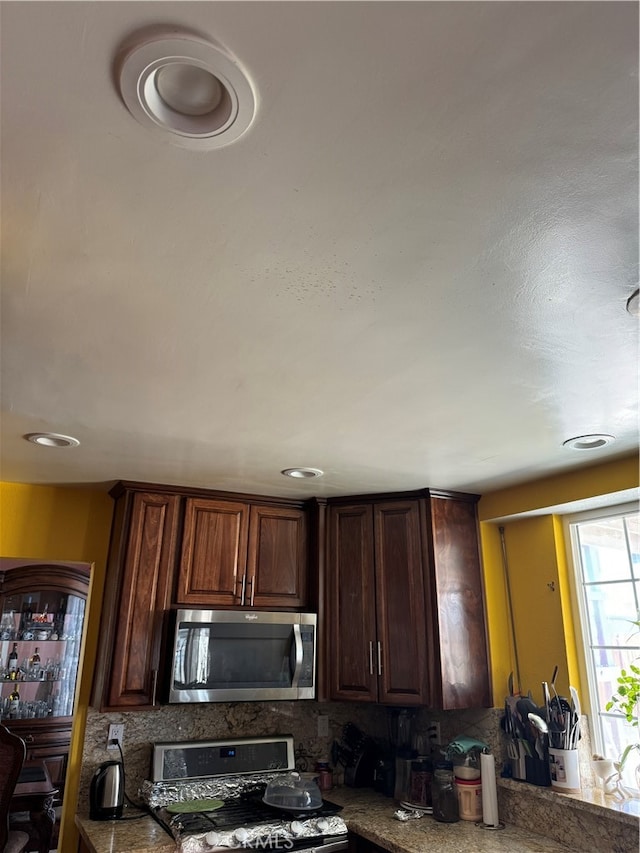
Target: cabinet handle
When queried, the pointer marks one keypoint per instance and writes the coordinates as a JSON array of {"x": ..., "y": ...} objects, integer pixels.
[
  {"x": 379, "y": 658},
  {"x": 28, "y": 739},
  {"x": 370, "y": 657},
  {"x": 154, "y": 688},
  {"x": 244, "y": 584},
  {"x": 253, "y": 590}
]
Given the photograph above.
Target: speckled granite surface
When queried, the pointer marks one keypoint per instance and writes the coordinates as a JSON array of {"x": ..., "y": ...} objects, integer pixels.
[
  {"x": 368, "y": 814},
  {"x": 220, "y": 720},
  {"x": 131, "y": 836},
  {"x": 575, "y": 820},
  {"x": 250, "y": 719},
  {"x": 371, "y": 815},
  {"x": 568, "y": 825}
]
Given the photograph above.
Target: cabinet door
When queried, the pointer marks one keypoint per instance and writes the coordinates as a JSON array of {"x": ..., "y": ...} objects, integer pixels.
[
  {"x": 277, "y": 558},
  {"x": 358, "y": 844},
  {"x": 460, "y": 630},
  {"x": 400, "y": 603},
  {"x": 352, "y": 606},
  {"x": 144, "y": 592},
  {"x": 214, "y": 553}
]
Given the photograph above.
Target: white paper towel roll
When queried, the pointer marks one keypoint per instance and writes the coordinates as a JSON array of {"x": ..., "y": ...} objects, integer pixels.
[{"x": 489, "y": 790}]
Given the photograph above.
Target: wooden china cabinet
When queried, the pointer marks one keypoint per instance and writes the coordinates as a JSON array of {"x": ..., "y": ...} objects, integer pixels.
[{"x": 42, "y": 607}]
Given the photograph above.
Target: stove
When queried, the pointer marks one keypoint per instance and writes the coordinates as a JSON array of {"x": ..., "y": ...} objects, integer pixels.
[{"x": 235, "y": 772}]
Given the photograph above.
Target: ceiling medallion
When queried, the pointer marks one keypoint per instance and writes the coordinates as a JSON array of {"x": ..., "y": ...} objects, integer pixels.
[{"x": 188, "y": 89}]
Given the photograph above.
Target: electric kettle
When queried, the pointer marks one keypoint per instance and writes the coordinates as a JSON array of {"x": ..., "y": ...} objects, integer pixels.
[{"x": 106, "y": 794}]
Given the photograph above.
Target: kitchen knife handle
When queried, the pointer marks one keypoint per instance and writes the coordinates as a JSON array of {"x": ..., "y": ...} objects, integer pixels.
[
  {"x": 379, "y": 658},
  {"x": 370, "y": 657}
]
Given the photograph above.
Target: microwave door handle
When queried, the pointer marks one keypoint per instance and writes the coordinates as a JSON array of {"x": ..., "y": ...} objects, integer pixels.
[{"x": 297, "y": 671}]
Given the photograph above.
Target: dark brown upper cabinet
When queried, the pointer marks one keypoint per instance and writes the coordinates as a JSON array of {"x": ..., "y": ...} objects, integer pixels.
[
  {"x": 459, "y": 665},
  {"x": 405, "y": 605},
  {"x": 377, "y": 618},
  {"x": 173, "y": 546},
  {"x": 243, "y": 555},
  {"x": 137, "y": 597}
]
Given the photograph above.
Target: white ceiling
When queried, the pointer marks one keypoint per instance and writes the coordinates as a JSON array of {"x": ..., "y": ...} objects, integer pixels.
[{"x": 411, "y": 271}]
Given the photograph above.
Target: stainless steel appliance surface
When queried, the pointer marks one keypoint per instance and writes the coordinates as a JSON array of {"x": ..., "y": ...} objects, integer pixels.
[
  {"x": 208, "y": 795},
  {"x": 106, "y": 793},
  {"x": 240, "y": 656}
]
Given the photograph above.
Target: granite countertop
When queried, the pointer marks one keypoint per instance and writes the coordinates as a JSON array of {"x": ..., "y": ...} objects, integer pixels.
[
  {"x": 366, "y": 813},
  {"x": 117, "y": 836},
  {"x": 371, "y": 815}
]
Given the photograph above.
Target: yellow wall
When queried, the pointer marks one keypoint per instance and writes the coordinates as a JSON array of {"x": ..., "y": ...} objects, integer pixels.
[
  {"x": 585, "y": 482},
  {"x": 536, "y": 559},
  {"x": 52, "y": 523}
]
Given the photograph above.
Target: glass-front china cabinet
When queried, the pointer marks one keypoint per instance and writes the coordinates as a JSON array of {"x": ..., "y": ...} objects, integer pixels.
[{"x": 42, "y": 608}]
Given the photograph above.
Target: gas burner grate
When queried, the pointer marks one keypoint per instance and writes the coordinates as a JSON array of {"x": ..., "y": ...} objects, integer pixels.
[{"x": 247, "y": 809}]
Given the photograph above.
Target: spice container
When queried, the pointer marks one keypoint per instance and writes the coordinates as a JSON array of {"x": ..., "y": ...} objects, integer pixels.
[
  {"x": 443, "y": 793},
  {"x": 469, "y": 798},
  {"x": 324, "y": 775}
]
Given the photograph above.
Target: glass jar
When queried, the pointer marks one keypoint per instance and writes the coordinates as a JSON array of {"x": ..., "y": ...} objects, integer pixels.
[
  {"x": 420, "y": 780},
  {"x": 324, "y": 775},
  {"x": 443, "y": 793}
]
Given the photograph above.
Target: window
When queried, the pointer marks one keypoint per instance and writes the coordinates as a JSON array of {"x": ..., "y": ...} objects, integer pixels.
[{"x": 605, "y": 546}]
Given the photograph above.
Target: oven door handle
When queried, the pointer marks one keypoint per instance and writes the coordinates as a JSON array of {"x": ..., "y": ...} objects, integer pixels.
[{"x": 297, "y": 669}]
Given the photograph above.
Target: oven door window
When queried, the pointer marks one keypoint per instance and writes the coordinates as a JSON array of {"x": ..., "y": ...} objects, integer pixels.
[{"x": 229, "y": 655}]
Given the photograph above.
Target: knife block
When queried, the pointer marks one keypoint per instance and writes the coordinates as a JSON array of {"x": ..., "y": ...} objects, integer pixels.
[{"x": 537, "y": 771}]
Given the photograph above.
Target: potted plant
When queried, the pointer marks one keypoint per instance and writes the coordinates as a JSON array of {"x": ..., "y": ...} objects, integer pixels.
[{"x": 626, "y": 701}]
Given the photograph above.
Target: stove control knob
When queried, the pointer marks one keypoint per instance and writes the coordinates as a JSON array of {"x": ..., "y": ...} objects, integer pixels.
[
  {"x": 296, "y": 827},
  {"x": 212, "y": 839},
  {"x": 241, "y": 835},
  {"x": 323, "y": 824}
]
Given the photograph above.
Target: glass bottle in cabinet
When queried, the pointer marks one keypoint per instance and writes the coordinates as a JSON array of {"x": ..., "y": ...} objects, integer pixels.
[{"x": 40, "y": 640}]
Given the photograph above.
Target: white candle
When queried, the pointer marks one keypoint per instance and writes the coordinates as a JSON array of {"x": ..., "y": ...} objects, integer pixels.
[{"x": 489, "y": 790}]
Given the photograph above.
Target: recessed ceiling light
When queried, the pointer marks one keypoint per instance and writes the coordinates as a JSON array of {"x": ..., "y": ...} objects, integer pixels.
[
  {"x": 589, "y": 442},
  {"x": 633, "y": 303},
  {"x": 52, "y": 439},
  {"x": 188, "y": 89},
  {"x": 302, "y": 473}
]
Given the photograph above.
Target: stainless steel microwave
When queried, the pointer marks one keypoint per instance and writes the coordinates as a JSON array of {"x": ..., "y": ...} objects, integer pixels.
[{"x": 243, "y": 656}]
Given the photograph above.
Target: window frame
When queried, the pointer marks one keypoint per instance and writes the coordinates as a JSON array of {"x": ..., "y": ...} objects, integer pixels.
[{"x": 579, "y": 609}]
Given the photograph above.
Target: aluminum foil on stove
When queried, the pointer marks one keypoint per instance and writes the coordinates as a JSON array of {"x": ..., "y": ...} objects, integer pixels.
[
  {"x": 264, "y": 836},
  {"x": 156, "y": 794}
]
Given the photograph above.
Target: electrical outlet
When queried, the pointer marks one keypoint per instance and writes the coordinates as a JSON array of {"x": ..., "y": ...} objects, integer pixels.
[
  {"x": 115, "y": 737},
  {"x": 323, "y": 725},
  {"x": 433, "y": 732}
]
